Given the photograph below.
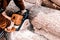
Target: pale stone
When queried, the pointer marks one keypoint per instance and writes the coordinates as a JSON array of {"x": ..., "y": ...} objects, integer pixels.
[
  {"x": 24, "y": 33},
  {"x": 47, "y": 19},
  {"x": 41, "y": 18}
]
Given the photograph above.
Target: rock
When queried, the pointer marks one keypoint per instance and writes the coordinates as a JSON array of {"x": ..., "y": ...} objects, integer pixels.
[
  {"x": 28, "y": 5},
  {"x": 24, "y": 34},
  {"x": 47, "y": 35},
  {"x": 12, "y": 7},
  {"x": 41, "y": 18},
  {"x": 36, "y": 2},
  {"x": 47, "y": 19},
  {"x": 56, "y": 2}
]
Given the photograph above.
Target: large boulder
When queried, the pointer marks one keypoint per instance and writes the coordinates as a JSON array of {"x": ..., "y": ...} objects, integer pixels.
[
  {"x": 47, "y": 19},
  {"x": 24, "y": 33}
]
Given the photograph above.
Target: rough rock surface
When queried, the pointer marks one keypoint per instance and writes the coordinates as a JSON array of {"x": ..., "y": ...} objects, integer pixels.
[
  {"x": 46, "y": 21},
  {"x": 36, "y": 2},
  {"x": 56, "y": 2},
  {"x": 24, "y": 33}
]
